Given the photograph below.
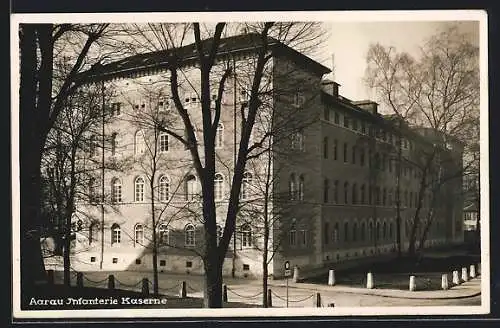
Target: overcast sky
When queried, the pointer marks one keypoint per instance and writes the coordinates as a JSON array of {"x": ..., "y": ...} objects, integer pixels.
[{"x": 349, "y": 43}]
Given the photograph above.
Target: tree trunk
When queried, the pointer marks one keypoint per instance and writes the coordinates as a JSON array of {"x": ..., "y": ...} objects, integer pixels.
[
  {"x": 265, "y": 272},
  {"x": 213, "y": 281}
]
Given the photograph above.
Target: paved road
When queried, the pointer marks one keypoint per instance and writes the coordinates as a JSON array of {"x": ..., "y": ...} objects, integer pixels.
[{"x": 250, "y": 291}]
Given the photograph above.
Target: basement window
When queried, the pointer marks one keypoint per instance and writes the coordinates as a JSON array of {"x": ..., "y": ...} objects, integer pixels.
[
  {"x": 138, "y": 261},
  {"x": 163, "y": 262},
  {"x": 92, "y": 259},
  {"x": 189, "y": 264},
  {"x": 246, "y": 267},
  {"x": 115, "y": 260}
]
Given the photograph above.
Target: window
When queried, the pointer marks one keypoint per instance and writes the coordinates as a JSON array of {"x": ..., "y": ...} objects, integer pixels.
[
  {"x": 163, "y": 235},
  {"x": 164, "y": 104},
  {"x": 325, "y": 147},
  {"x": 138, "y": 234},
  {"x": 297, "y": 141},
  {"x": 384, "y": 197},
  {"x": 411, "y": 199},
  {"x": 354, "y": 194},
  {"x": 139, "y": 143},
  {"x": 354, "y": 124},
  {"x": 93, "y": 232},
  {"x": 346, "y": 231},
  {"x": 246, "y": 267},
  {"x": 336, "y": 191},
  {"x": 246, "y": 236},
  {"x": 301, "y": 187},
  {"x": 353, "y": 154},
  {"x": 113, "y": 143},
  {"x": 335, "y": 233},
  {"x": 370, "y": 231},
  {"x": 405, "y": 195},
  {"x": 116, "y": 234},
  {"x": 219, "y": 137},
  {"x": 363, "y": 232},
  {"x": 355, "y": 232},
  {"x": 363, "y": 127},
  {"x": 362, "y": 157},
  {"x": 326, "y": 233},
  {"x": 92, "y": 190},
  {"x": 345, "y": 152},
  {"x": 189, "y": 235},
  {"x": 336, "y": 118},
  {"x": 389, "y": 197},
  {"x": 163, "y": 142},
  {"x": 377, "y": 230},
  {"x": 384, "y": 159},
  {"x": 218, "y": 187},
  {"x": 292, "y": 237},
  {"x": 93, "y": 144},
  {"x": 377, "y": 195},
  {"x": 164, "y": 188},
  {"x": 346, "y": 121},
  {"x": 303, "y": 237},
  {"x": 163, "y": 262},
  {"x": 190, "y": 187},
  {"x": 292, "y": 187},
  {"x": 116, "y": 109},
  {"x": 139, "y": 189},
  {"x": 326, "y": 113},
  {"x": 326, "y": 187},
  {"x": 335, "y": 147},
  {"x": 362, "y": 193},
  {"x": 346, "y": 192},
  {"x": 384, "y": 231},
  {"x": 245, "y": 186},
  {"x": 298, "y": 99},
  {"x": 116, "y": 191},
  {"x": 391, "y": 230}
]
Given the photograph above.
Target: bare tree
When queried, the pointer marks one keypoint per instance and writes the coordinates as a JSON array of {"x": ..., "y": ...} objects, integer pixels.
[{"x": 438, "y": 90}]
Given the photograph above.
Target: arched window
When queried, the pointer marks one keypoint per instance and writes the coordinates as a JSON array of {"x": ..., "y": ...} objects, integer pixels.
[
  {"x": 163, "y": 235},
  {"x": 219, "y": 137},
  {"x": 116, "y": 234},
  {"x": 292, "y": 235},
  {"x": 335, "y": 233},
  {"x": 346, "y": 192},
  {"x": 326, "y": 189},
  {"x": 391, "y": 230},
  {"x": 362, "y": 157},
  {"x": 292, "y": 187},
  {"x": 164, "y": 188},
  {"x": 116, "y": 190},
  {"x": 362, "y": 192},
  {"x": 384, "y": 197},
  {"x": 113, "y": 143},
  {"x": 189, "y": 235},
  {"x": 325, "y": 147},
  {"x": 377, "y": 195},
  {"x": 139, "y": 189},
  {"x": 163, "y": 142},
  {"x": 336, "y": 191},
  {"x": 354, "y": 194},
  {"x": 389, "y": 197},
  {"x": 346, "y": 231},
  {"x": 138, "y": 235},
  {"x": 353, "y": 155},
  {"x": 335, "y": 149},
  {"x": 139, "y": 143},
  {"x": 218, "y": 187},
  {"x": 370, "y": 231},
  {"x": 191, "y": 189},
  {"x": 301, "y": 187},
  {"x": 363, "y": 231},
  {"x": 246, "y": 235},
  {"x": 377, "y": 230},
  {"x": 384, "y": 231},
  {"x": 245, "y": 186},
  {"x": 345, "y": 152},
  {"x": 355, "y": 232}
]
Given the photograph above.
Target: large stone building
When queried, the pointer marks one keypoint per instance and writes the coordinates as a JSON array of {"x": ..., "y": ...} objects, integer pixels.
[{"x": 332, "y": 167}]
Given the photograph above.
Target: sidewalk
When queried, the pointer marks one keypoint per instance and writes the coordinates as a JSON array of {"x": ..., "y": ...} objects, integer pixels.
[{"x": 467, "y": 289}]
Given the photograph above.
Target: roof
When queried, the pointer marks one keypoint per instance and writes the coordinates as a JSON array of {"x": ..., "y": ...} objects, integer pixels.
[{"x": 159, "y": 60}]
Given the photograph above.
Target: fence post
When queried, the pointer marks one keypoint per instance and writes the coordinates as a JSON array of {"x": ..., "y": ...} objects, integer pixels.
[
  {"x": 111, "y": 282},
  {"x": 318, "y": 300},
  {"x": 331, "y": 277},
  {"x": 269, "y": 298},
  {"x": 224, "y": 293},
  {"x": 456, "y": 279},
  {"x": 369, "y": 280},
  {"x": 472, "y": 271},
  {"x": 182, "y": 291},
  {"x": 296, "y": 273},
  {"x": 145, "y": 286},
  {"x": 444, "y": 281},
  {"x": 412, "y": 284},
  {"x": 79, "y": 279},
  {"x": 464, "y": 274},
  {"x": 50, "y": 276}
]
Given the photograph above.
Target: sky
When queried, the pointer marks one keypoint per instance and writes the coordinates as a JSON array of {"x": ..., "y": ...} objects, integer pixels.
[{"x": 349, "y": 42}]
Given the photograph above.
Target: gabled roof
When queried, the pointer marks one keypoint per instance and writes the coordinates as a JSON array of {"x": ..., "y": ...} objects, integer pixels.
[{"x": 159, "y": 60}]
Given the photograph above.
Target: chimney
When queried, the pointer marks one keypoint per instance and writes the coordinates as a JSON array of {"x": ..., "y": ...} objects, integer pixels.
[{"x": 330, "y": 87}]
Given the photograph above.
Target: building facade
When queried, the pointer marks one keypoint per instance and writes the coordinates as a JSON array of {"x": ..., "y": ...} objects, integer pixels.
[{"x": 330, "y": 170}]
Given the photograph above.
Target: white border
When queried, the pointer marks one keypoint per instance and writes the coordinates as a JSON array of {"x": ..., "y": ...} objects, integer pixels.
[{"x": 327, "y": 16}]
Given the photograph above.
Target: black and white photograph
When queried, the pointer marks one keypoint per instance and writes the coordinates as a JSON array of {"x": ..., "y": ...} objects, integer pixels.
[{"x": 255, "y": 164}]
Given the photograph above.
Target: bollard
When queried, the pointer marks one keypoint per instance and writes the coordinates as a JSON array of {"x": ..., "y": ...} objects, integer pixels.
[
  {"x": 444, "y": 281},
  {"x": 295, "y": 274},
  {"x": 464, "y": 274},
  {"x": 456, "y": 280},
  {"x": 182, "y": 291},
  {"x": 111, "y": 282},
  {"x": 472, "y": 271},
  {"x": 79, "y": 279},
  {"x": 269, "y": 298},
  {"x": 318, "y": 300},
  {"x": 331, "y": 278},
  {"x": 50, "y": 276},
  {"x": 145, "y": 286},
  {"x": 413, "y": 286},
  {"x": 224, "y": 293},
  {"x": 369, "y": 280}
]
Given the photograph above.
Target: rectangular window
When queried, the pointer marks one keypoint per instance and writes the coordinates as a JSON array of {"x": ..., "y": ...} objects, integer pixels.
[
  {"x": 138, "y": 261},
  {"x": 336, "y": 118},
  {"x": 303, "y": 237},
  {"x": 164, "y": 104},
  {"x": 116, "y": 109},
  {"x": 355, "y": 125},
  {"x": 246, "y": 267},
  {"x": 335, "y": 146},
  {"x": 189, "y": 264},
  {"x": 353, "y": 154},
  {"x": 345, "y": 152},
  {"x": 363, "y": 127},
  {"x": 326, "y": 113},
  {"x": 325, "y": 147},
  {"x": 292, "y": 238},
  {"x": 336, "y": 191},
  {"x": 163, "y": 142},
  {"x": 115, "y": 260},
  {"x": 346, "y": 121},
  {"x": 92, "y": 259},
  {"x": 298, "y": 99},
  {"x": 362, "y": 157},
  {"x": 163, "y": 262}
]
